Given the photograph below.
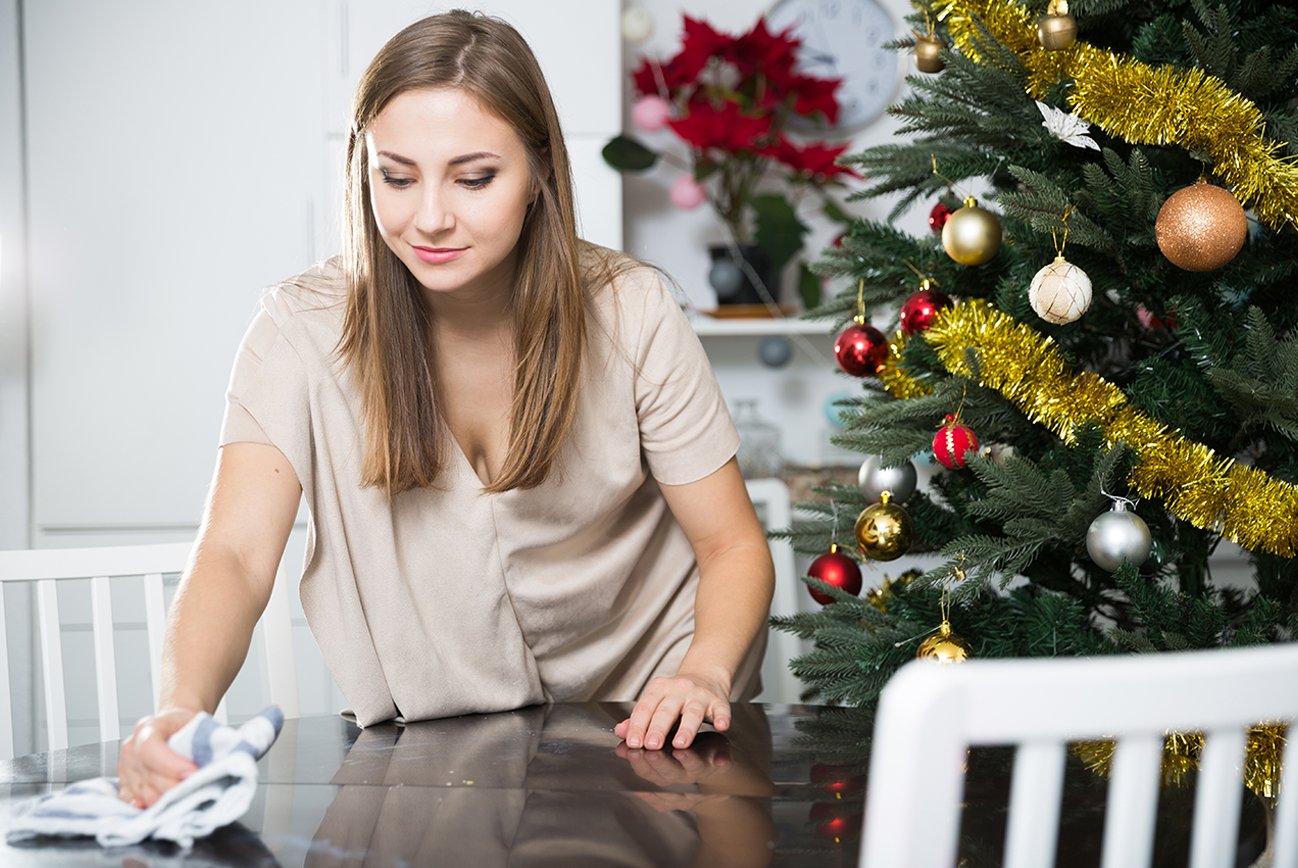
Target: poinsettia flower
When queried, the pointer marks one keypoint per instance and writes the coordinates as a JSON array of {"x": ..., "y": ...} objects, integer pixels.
[
  {"x": 817, "y": 95},
  {"x": 813, "y": 160},
  {"x": 771, "y": 54},
  {"x": 700, "y": 44},
  {"x": 727, "y": 128},
  {"x": 1068, "y": 128}
]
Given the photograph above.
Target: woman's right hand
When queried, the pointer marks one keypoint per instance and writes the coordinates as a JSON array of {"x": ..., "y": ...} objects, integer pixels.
[{"x": 147, "y": 768}]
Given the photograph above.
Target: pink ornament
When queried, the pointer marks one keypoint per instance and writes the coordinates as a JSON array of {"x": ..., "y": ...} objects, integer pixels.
[
  {"x": 686, "y": 193},
  {"x": 650, "y": 113}
]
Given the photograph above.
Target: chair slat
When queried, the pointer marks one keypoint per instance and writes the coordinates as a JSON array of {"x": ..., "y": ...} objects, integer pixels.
[
  {"x": 1217, "y": 800},
  {"x": 56, "y": 710},
  {"x": 277, "y": 636},
  {"x": 6, "y": 698},
  {"x": 1286, "y": 812},
  {"x": 155, "y": 622},
  {"x": 1133, "y": 801},
  {"x": 101, "y": 606},
  {"x": 1035, "y": 792},
  {"x": 221, "y": 714}
]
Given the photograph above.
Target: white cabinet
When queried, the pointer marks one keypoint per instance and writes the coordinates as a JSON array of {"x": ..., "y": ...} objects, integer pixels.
[{"x": 173, "y": 158}]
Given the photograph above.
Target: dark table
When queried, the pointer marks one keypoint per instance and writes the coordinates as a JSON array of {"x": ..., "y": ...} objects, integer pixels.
[{"x": 552, "y": 785}]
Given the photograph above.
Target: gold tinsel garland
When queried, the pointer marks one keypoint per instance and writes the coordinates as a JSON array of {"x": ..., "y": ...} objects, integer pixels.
[
  {"x": 1145, "y": 105},
  {"x": 1196, "y": 485},
  {"x": 1263, "y": 752}
]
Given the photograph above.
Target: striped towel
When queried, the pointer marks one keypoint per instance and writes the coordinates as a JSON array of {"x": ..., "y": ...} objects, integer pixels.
[{"x": 217, "y": 793}]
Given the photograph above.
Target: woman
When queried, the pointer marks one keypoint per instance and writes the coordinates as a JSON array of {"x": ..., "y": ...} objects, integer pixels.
[{"x": 519, "y": 469}]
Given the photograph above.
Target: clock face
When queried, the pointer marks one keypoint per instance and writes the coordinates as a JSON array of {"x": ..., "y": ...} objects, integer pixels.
[{"x": 844, "y": 39}]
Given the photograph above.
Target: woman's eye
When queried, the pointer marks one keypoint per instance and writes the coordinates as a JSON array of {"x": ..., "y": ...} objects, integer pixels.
[
  {"x": 477, "y": 183},
  {"x": 399, "y": 183}
]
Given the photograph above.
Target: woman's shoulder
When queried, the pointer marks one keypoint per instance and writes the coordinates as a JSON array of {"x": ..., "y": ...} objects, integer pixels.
[
  {"x": 622, "y": 287},
  {"x": 320, "y": 290}
]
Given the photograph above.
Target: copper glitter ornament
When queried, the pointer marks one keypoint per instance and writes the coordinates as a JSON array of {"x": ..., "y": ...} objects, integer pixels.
[
  {"x": 928, "y": 53},
  {"x": 1201, "y": 227},
  {"x": 1057, "y": 29},
  {"x": 883, "y": 530},
  {"x": 944, "y": 646},
  {"x": 972, "y": 235}
]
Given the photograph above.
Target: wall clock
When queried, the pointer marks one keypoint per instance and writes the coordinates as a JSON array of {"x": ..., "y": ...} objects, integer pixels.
[{"x": 844, "y": 39}]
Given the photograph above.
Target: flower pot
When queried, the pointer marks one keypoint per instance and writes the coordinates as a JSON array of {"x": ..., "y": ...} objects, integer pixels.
[{"x": 734, "y": 280}]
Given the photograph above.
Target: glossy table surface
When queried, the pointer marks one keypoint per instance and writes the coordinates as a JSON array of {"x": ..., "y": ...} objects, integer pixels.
[{"x": 552, "y": 785}]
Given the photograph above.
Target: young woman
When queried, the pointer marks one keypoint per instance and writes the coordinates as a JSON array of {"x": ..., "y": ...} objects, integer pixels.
[{"x": 519, "y": 468}]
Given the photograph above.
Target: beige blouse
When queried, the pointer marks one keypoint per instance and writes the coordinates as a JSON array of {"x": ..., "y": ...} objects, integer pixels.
[{"x": 445, "y": 601}]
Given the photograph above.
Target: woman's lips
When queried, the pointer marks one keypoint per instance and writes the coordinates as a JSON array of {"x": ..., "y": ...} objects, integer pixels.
[{"x": 438, "y": 255}]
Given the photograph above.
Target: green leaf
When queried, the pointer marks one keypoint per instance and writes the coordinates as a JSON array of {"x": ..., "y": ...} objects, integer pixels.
[
  {"x": 627, "y": 155},
  {"x": 835, "y": 212},
  {"x": 808, "y": 287},
  {"x": 779, "y": 231}
]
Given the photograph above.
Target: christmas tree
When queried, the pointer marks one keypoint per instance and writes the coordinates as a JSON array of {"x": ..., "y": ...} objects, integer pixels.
[{"x": 1096, "y": 344}]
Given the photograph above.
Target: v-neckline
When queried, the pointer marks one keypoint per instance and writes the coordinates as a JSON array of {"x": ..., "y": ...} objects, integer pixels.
[{"x": 466, "y": 464}]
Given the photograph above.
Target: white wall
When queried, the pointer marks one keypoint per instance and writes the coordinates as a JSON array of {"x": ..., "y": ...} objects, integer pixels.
[{"x": 13, "y": 300}]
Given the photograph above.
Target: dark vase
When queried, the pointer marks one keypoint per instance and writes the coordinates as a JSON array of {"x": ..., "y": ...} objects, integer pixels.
[{"x": 734, "y": 283}]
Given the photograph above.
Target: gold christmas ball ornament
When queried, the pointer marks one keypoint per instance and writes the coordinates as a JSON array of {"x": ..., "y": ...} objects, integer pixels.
[
  {"x": 1060, "y": 292},
  {"x": 1201, "y": 227},
  {"x": 928, "y": 53},
  {"x": 944, "y": 646},
  {"x": 971, "y": 235},
  {"x": 883, "y": 530},
  {"x": 1057, "y": 29}
]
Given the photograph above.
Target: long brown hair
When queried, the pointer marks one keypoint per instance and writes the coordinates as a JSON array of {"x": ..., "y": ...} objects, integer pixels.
[{"x": 386, "y": 337}]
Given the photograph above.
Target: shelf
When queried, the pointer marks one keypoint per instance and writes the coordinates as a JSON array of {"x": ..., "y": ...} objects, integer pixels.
[{"x": 706, "y": 326}]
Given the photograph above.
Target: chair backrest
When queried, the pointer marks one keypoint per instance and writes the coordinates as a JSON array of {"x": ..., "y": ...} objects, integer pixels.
[
  {"x": 929, "y": 714},
  {"x": 46, "y": 568}
]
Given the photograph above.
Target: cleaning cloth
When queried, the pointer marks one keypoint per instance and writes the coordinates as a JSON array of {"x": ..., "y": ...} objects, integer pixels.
[{"x": 217, "y": 793}]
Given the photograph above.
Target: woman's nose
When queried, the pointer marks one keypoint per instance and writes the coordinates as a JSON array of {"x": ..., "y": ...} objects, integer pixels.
[{"x": 434, "y": 214}]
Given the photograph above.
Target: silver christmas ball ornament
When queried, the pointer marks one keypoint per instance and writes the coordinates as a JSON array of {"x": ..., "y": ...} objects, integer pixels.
[
  {"x": 775, "y": 351},
  {"x": 874, "y": 479},
  {"x": 726, "y": 278},
  {"x": 1116, "y": 536}
]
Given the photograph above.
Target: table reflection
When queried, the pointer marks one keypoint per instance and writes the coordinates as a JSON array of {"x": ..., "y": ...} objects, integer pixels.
[
  {"x": 552, "y": 785},
  {"x": 549, "y": 785}
]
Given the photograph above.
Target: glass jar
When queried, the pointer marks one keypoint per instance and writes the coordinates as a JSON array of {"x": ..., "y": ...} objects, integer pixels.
[{"x": 759, "y": 442}]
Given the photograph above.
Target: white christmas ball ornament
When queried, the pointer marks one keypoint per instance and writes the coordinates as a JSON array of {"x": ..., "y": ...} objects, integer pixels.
[
  {"x": 637, "y": 24},
  {"x": 1060, "y": 292},
  {"x": 1116, "y": 536}
]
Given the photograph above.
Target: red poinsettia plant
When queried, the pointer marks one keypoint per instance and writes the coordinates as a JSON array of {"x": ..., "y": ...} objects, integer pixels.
[{"x": 732, "y": 100}]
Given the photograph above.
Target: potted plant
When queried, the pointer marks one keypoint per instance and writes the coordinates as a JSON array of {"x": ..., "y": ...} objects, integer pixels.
[{"x": 735, "y": 102}]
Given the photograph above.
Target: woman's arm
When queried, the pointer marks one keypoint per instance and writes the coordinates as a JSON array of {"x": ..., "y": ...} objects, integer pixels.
[
  {"x": 736, "y": 582},
  {"x": 250, "y": 510}
]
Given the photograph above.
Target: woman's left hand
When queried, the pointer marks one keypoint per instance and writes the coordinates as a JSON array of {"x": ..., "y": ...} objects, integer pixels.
[{"x": 692, "y": 698}]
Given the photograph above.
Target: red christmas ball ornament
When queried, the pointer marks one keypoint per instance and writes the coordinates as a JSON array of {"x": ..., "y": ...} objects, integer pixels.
[
  {"x": 861, "y": 349},
  {"x": 953, "y": 442},
  {"x": 836, "y": 569},
  {"x": 937, "y": 217},
  {"x": 836, "y": 820},
  {"x": 918, "y": 311},
  {"x": 837, "y": 780}
]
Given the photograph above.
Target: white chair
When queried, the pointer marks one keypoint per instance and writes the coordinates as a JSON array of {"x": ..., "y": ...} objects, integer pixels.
[
  {"x": 771, "y": 499},
  {"x": 45, "y": 568},
  {"x": 929, "y": 714}
]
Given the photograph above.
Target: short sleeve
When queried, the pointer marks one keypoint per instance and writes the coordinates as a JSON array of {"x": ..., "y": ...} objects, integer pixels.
[
  {"x": 239, "y": 426},
  {"x": 267, "y": 400},
  {"x": 686, "y": 431}
]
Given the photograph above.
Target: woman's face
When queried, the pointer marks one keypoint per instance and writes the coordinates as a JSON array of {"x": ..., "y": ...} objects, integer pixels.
[{"x": 450, "y": 188}]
